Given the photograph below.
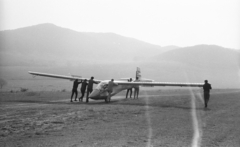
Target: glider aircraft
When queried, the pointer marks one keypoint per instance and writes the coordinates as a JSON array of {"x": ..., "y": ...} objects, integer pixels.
[{"x": 100, "y": 91}]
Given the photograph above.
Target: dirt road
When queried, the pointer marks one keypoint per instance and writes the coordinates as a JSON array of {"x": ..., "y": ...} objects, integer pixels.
[{"x": 157, "y": 118}]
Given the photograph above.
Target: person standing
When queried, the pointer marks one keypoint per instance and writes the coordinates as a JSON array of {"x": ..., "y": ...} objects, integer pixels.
[
  {"x": 74, "y": 89},
  {"x": 136, "y": 89},
  {"x": 129, "y": 89},
  {"x": 206, "y": 91},
  {"x": 83, "y": 89},
  {"x": 110, "y": 89},
  {"x": 90, "y": 87}
]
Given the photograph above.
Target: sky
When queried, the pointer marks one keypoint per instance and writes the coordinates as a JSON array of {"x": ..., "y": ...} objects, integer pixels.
[{"x": 161, "y": 22}]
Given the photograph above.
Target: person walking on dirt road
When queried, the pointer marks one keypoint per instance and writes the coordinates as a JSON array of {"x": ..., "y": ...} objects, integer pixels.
[{"x": 206, "y": 91}]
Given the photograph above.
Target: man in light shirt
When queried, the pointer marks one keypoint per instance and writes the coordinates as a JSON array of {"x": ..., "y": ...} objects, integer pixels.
[
  {"x": 129, "y": 90},
  {"x": 110, "y": 89}
]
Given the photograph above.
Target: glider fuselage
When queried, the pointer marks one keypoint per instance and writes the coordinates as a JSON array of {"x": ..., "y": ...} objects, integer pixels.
[{"x": 100, "y": 92}]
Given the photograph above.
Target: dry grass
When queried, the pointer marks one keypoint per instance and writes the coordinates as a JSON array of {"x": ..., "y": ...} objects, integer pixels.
[{"x": 157, "y": 118}]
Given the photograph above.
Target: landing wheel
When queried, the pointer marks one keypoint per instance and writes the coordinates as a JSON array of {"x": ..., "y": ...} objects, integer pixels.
[
  {"x": 107, "y": 99},
  {"x": 87, "y": 100}
]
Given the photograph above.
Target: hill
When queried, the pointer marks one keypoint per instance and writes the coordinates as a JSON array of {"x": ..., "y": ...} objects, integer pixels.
[
  {"x": 48, "y": 44},
  {"x": 217, "y": 64},
  {"x": 203, "y": 56}
]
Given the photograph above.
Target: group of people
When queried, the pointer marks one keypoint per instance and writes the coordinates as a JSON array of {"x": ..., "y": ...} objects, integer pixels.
[
  {"x": 89, "y": 85},
  {"x": 136, "y": 89},
  {"x": 85, "y": 85},
  {"x": 110, "y": 89}
]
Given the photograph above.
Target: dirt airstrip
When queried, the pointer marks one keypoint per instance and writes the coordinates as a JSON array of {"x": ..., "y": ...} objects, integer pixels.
[{"x": 157, "y": 118}]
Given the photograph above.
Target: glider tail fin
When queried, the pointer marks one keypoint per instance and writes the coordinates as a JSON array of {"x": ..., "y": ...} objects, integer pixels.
[{"x": 138, "y": 73}]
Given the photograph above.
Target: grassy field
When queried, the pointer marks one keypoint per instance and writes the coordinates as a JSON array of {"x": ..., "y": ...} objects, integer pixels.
[
  {"x": 158, "y": 118},
  {"x": 37, "y": 85}
]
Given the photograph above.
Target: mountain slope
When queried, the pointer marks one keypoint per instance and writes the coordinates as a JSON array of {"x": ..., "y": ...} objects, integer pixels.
[
  {"x": 204, "y": 56},
  {"x": 47, "y": 41},
  {"x": 221, "y": 66}
]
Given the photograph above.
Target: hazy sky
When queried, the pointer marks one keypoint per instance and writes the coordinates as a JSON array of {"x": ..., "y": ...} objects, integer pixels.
[{"x": 162, "y": 22}]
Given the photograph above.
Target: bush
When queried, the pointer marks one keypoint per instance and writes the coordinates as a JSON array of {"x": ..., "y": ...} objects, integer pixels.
[{"x": 23, "y": 89}]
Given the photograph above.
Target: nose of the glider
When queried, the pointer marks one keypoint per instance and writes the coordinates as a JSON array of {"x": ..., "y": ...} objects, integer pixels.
[{"x": 95, "y": 93}]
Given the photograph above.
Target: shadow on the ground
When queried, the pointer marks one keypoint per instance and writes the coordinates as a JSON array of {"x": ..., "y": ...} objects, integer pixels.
[{"x": 62, "y": 102}]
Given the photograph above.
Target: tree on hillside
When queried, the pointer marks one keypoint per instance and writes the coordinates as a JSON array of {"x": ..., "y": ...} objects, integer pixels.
[{"x": 2, "y": 83}]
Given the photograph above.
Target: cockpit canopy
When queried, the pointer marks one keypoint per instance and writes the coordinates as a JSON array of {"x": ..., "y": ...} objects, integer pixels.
[{"x": 102, "y": 85}]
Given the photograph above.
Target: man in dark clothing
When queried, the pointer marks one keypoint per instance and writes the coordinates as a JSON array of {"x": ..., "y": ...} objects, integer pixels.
[
  {"x": 206, "y": 91},
  {"x": 74, "y": 89},
  {"x": 83, "y": 89},
  {"x": 136, "y": 89},
  {"x": 90, "y": 87},
  {"x": 129, "y": 90}
]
